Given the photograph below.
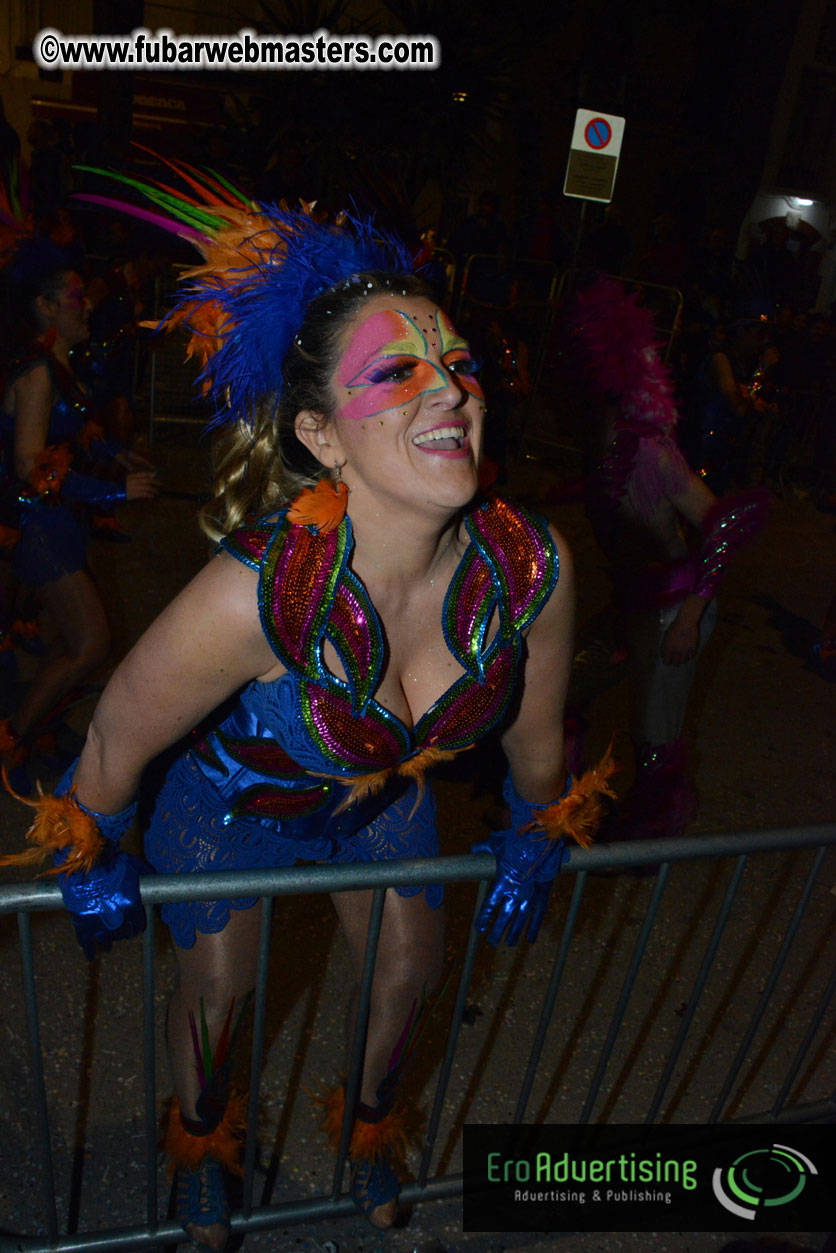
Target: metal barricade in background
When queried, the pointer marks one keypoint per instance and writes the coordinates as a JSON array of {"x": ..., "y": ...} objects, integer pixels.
[
  {"x": 720, "y": 1003},
  {"x": 167, "y": 391}
]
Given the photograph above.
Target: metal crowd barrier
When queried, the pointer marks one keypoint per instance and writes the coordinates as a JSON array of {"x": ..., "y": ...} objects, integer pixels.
[{"x": 660, "y": 855}]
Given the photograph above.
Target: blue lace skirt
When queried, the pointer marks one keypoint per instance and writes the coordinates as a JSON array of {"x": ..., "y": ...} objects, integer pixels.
[
  {"x": 187, "y": 834},
  {"x": 53, "y": 542}
]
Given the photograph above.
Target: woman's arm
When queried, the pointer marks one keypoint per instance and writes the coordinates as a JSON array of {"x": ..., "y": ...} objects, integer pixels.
[
  {"x": 533, "y": 743},
  {"x": 545, "y": 813},
  {"x": 32, "y": 407},
  {"x": 725, "y": 525},
  {"x": 202, "y": 648}
]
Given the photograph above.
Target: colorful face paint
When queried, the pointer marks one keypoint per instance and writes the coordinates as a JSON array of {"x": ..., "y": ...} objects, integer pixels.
[{"x": 386, "y": 363}]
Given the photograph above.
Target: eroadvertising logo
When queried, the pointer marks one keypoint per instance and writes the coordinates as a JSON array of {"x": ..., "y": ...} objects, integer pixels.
[
  {"x": 636, "y": 1178},
  {"x": 762, "y": 1177}
]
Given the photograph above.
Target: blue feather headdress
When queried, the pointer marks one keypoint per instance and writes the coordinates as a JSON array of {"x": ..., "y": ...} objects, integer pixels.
[{"x": 263, "y": 265}]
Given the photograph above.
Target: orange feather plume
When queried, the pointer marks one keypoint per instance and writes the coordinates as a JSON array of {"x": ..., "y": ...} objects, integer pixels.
[
  {"x": 413, "y": 768},
  {"x": 578, "y": 815},
  {"x": 322, "y": 506},
  {"x": 223, "y": 1144},
  {"x": 250, "y": 242},
  {"x": 59, "y": 824}
]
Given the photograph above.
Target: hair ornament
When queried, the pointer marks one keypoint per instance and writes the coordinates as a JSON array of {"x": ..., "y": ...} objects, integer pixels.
[{"x": 262, "y": 266}]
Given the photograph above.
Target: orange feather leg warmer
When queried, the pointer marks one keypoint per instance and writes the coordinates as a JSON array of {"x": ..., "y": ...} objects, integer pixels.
[
  {"x": 223, "y": 1144},
  {"x": 368, "y": 1139}
]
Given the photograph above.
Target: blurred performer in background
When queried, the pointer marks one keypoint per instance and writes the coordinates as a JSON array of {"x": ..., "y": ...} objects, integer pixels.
[
  {"x": 48, "y": 443},
  {"x": 668, "y": 537}
]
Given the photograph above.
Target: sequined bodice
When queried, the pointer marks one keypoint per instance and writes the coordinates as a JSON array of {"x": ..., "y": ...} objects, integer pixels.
[{"x": 311, "y": 722}]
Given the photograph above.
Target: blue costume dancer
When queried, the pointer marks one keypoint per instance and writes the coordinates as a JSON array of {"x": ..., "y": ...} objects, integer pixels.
[
  {"x": 47, "y": 442},
  {"x": 50, "y": 511},
  {"x": 366, "y": 616}
]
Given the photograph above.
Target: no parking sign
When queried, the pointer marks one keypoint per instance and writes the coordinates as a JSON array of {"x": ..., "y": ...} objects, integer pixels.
[{"x": 593, "y": 156}]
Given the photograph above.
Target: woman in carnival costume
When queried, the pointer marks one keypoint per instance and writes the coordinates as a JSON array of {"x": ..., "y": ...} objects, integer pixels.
[
  {"x": 368, "y": 614},
  {"x": 49, "y": 443},
  {"x": 669, "y": 538}
]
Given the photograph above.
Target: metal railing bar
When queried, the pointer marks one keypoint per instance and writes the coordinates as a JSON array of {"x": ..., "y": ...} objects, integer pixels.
[
  {"x": 257, "y": 1052},
  {"x": 551, "y": 997},
  {"x": 766, "y": 994},
  {"x": 299, "y": 880},
  {"x": 626, "y": 991},
  {"x": 149, "y": 1064},
  {"x": 697, "y": 990},
  {"x": 320, "y": 1208},
  {"x": 798, "y": 1060},
  {"x": 811, "y": 1111},
  {"x": 36, "y": 1062},
  {"x": 380, "y": 876},
  {"x": 434, "y": 1121},
  {"x": 264, "y": 1219},
  {"x": 358, "y": 1041}
]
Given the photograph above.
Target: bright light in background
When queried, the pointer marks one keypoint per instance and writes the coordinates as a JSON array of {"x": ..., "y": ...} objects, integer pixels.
[
  {"x": 799, "y": 202},
  {"x": 461, "y": 96}
]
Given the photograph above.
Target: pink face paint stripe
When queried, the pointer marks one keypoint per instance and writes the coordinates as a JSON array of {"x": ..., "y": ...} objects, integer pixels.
[{"x": 373, "y": 339}]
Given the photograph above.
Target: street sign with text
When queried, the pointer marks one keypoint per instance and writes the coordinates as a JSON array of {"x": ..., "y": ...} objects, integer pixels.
[{"x": 593, "y": 156}]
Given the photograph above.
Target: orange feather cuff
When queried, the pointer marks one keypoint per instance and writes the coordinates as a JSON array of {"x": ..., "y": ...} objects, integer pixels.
[
  {"x": 51, "y": 466},
  {"x": 223, "y": 1144},
  {"x": 578, "y": 814},
  {"x": 59, "y": 824}
]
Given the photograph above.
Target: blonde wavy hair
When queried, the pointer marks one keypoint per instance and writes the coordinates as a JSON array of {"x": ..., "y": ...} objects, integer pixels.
[{"x": 259, "y": 464}]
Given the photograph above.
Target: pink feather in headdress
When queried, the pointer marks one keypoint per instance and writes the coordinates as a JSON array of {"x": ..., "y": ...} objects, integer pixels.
[{"x": 617, "y": 341}]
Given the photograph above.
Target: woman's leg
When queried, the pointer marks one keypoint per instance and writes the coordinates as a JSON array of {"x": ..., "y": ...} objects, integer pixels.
[
  {"x": 410, "y": 962},
  {"x": 76, "y": 606},
  {"x": 662, "y": 801},
  {"x": 216, "y": 974},
  {"x": 216, "y": 970}
]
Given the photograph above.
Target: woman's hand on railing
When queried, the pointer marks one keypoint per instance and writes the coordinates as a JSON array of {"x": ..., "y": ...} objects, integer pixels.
[{"x": 519, "y": 895}]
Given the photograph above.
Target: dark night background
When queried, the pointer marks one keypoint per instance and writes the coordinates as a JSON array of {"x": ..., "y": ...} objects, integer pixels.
[{"x": 697, "y": 83}]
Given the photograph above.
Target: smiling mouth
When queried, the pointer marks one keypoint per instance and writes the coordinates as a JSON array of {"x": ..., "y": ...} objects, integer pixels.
[{"x": 442, "y": 439}]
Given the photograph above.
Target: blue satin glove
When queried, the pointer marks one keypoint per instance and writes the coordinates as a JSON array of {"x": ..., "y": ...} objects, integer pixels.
[
  {"x": 526, "y": 866},
  {"x": 105, "y": 903},
  {"x": 91, "y": 491}
]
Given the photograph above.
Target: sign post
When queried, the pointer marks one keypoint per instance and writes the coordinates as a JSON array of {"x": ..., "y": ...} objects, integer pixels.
[{"x": 593, "y": 156}]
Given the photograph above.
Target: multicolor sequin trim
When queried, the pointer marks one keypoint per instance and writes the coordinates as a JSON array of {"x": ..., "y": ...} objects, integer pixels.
[{"x": 308, "y": 595}]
